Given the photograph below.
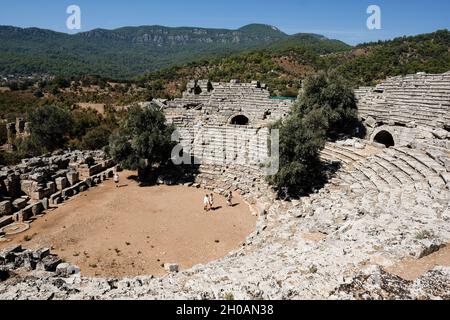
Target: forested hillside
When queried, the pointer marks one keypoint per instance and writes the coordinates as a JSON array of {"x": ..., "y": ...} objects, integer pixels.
[{"x": 131, "y": 51}]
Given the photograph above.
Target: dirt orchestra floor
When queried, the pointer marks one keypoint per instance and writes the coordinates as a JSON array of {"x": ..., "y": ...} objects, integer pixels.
[{"x": 132, "y": 230}]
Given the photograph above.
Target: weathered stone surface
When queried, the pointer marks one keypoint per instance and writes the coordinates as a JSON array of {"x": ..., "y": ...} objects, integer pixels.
[
  {"x": 370, "y": 122},
  {"x": 61, "y": 183},
  {"x": 20, "y": 203},
  {"x": 49, "y": 263},
  {"x": 37, "y": 208},
  {"x": 5, "y": 220},
  {"x": 171, "y": 267},
  {"x": 66, "y": 270},
  {"x": 45, "y": 203},
  {"x": 73, "y": 177},
  {"x": 5, "y": 208},
  {"x": 379, "y": 207}
]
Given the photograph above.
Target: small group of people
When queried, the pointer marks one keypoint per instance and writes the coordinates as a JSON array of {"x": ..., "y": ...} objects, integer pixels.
[{"x": 208, "y": 201}]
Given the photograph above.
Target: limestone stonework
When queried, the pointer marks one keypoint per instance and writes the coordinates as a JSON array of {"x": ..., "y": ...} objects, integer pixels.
[
  {"x": 408, "y": 108},
  {"x": 382, "y": 206},
  {"x": 30, "y": 187}
]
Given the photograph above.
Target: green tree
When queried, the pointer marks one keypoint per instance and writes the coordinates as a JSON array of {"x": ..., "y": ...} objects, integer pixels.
[
  {"x": 49, "y": 127},
  {"x": 333, "y": 97},
  {"x": 301, "y": 140},
  {"x": 96, "y": 138},
  {"x": 144, "y": 141},
  {"x": 326, "y": 108},
  {"x": 83, "y": 121}
]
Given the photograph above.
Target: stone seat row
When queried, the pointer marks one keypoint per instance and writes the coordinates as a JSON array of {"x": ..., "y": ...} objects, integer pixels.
[{"x": 398, "y": 168}]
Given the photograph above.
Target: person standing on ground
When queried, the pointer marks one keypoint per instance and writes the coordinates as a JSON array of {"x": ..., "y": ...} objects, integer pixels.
[
  {"x": 206, "y": 203},
  {"x": 230, "y": 199},
  {"x": 211, "y": 201},
  {"x": 116, "y": 179}
]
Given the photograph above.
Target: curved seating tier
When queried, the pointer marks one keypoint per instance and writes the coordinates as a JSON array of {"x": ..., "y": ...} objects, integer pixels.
[{"x": 422, "y": 98}]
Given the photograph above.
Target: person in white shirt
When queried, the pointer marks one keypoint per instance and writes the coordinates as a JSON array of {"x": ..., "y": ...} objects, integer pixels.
[
  {"x": 206, "y": 203},
  {"x": 211, "y": 201},
  {"x": 116, "y": 179},
  {"x": 230, "y": 199}
]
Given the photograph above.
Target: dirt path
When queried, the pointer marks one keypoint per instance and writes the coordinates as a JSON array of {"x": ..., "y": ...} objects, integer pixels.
[
  {"x": 133, "y": 230},
  {"x": 411, "y": 269}
]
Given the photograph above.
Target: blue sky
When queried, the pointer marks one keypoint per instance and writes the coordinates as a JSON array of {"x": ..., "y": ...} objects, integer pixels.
[{"x": 344, "y": 19}]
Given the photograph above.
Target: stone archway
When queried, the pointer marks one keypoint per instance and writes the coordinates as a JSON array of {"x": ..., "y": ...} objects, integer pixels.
[
  {"x": 384, "y": 137},
  {"x": 239, "y": 120}
]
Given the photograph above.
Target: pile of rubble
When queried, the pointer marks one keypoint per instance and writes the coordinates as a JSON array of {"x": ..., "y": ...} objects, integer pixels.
[{"x": 15, "y": 260}]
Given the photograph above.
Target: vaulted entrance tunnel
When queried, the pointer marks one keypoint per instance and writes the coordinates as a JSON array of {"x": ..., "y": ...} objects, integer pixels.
[{"x": 384, "y": 137}]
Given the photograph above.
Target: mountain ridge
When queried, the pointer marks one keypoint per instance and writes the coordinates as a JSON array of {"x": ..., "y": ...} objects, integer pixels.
[{"x": 131, "y": 51}]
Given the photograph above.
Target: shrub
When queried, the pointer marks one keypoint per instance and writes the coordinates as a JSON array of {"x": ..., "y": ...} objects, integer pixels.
[
  {"x": 49, "y": 127},
  {"x": 96, "y": 138},
  {"x": 334, "y": 98},
  {"x": 325, "y": 109},
  {"x": 228, "y": 296},
  {"x": 143, "y": 141}
]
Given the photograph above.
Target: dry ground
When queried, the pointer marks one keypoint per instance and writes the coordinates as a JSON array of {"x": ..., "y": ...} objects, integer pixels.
[
  {"x": 133, "y": 230},
  {"x": 411, "y": 269}
]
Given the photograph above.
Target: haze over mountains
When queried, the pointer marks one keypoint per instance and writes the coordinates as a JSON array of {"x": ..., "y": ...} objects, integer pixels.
[{"x": 131, "y": 51}]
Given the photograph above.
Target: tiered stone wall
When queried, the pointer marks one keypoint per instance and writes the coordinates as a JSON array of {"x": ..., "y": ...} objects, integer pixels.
[
  {"x": 411, "y": 107},
  {"x": 225, "y": 126},
  {"x": 382, "y": 206}
]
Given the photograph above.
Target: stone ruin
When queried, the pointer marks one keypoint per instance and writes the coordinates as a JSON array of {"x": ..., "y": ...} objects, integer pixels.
[
  {"x": 225, "y": 126},
  {"x": 17, "y": 258},
  {"x": 30, "y": 188},
  {"x": 389, "y": 201},
  {"x": 402, "y": 110},
  {"x": 18, "y": 129}
]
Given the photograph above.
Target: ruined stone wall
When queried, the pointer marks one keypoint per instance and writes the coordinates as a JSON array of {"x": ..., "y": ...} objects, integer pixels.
[
  {"x": 226, "y": 125},
  {"x": 217, "y": 104},
  {"x": 18, "y": 129},
  {"x": 29, "y": 188},
  {"x": 409, "y": 108}
]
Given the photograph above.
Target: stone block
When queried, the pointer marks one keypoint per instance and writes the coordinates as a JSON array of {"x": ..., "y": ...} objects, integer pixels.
[
  {"x": 37, "y": 177},
  {"x": 89, "y": 182},
  {"x": 6, "y": 220},
  {"x": 371, "y": 122},
  {"x": 72, "y": 177},
  {"x": 9, "y": 254},
  {"x": 108, "y": 163},
  {"x": 41, "y": 253},
  {"x": 52, "y": 187},
  {"x": 20, "y": 203},
  {"x": 28, "y": 186},
  {"x": 6, "y": 208},
  {"x": 26, "y": 213},
  {"x": 38, "y": 194},
  {"x": 171, "y": 267},
  {"x": 37, "y": 208},
  {"x": 61, "y": 183},
  {"x": 65, "y": 270},
  {"x": 49, "y": 263},
  {"x": 23, "y": 215},
  {"x": 55, "y": 196},
  {"x": 45, "y": 203},
  {"x": 67, "y": 193}
]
